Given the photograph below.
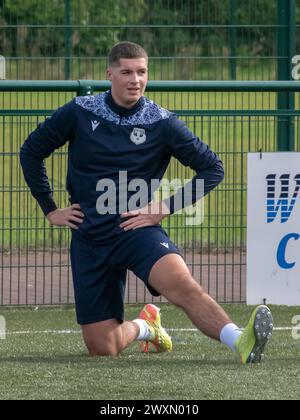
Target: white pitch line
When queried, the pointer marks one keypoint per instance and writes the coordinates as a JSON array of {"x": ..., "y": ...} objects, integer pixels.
[
  {"x": 43, "y": 332},
  {"x": 195, "y": 329},
  {"x": 27, "y": 332}
]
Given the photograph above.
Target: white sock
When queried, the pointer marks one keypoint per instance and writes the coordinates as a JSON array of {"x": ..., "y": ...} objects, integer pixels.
[
  {"x": 145, "y": 332},
  {"x": 229, "y": 334}
]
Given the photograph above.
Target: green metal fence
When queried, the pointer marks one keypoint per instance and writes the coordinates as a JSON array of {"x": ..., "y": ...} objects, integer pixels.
[
  {"x": 186, "y": 39},
  {"x": 234, "y": 118}
]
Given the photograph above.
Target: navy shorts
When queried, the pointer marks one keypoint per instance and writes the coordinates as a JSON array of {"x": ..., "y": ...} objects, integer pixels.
[{"x": 100, "y": 271}]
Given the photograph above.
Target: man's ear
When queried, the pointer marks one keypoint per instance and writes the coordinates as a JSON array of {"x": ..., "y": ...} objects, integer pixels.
[{"x": 109, "y": 74}]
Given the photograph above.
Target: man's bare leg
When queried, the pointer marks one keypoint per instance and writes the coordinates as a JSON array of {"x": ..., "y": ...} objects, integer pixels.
[{"x": 171, "y": 277}]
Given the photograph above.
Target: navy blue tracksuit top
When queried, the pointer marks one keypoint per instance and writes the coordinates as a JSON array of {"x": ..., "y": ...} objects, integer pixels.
[{"x": 105, "y": 139}]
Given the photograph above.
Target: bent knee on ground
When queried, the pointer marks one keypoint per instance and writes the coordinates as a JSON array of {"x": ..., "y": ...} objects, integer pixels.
[
  {"x": 103, "y": 338},
  {"x": 102, "y": 349}
]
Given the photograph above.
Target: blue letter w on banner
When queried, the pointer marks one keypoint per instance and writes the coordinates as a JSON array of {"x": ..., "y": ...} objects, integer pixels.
[{"x": 284, "y": 203}]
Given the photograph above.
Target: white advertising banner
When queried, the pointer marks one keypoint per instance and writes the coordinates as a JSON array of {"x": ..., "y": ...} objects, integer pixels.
[{"x": 273, "y": 228}]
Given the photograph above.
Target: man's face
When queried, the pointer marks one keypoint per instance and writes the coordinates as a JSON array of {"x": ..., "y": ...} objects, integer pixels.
[{"x": 129, "y": 80}]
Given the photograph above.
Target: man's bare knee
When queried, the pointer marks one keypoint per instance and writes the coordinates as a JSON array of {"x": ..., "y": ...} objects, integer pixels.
[
  {"x": 103, "y": 338},
  {"x": 101, "y": 349}
]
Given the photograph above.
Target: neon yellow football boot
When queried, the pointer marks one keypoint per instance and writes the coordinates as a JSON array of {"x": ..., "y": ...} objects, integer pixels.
[
  {"x": 160, "y": 339},
  {"x": 251, "y": 344}
]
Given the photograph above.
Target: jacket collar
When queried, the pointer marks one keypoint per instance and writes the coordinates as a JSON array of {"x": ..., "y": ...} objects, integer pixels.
[{"x": 124, "y": 112}]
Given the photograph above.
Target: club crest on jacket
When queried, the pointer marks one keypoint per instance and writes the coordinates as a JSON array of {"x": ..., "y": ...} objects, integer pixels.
[{"x": 138, "y": 136}]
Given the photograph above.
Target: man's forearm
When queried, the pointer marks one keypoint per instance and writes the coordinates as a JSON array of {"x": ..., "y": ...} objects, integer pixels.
[{"x": 36, "y": 178}]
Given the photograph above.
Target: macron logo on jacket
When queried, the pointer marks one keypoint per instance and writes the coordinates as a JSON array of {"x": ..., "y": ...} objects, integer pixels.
[{"x": 95, "y": 124}]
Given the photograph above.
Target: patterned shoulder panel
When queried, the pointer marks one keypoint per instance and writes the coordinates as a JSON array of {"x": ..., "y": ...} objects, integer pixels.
[
  {"x": 149, "y": 114},
  {"x": 97, "y": 105}
]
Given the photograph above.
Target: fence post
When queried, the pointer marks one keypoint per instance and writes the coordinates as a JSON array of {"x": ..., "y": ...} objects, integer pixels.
[
  {"x": 68, "y": 38},
  {"x": 85, "y": 88},
  {"x": 232, "y": 39},
  {"x": 286, "y": 11},
  {"x": 2, "y": 68}
]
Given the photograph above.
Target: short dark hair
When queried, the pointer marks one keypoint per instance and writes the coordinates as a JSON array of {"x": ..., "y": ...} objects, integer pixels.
[{"x": 125, "y": 49}]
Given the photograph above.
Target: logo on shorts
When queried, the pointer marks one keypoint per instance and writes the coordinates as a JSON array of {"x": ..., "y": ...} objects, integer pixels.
[
  {"x": 165, "y": 244},
  {"x": 138, "y": 136}
]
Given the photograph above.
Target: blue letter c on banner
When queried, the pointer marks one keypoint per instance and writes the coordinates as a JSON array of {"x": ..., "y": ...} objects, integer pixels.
[{"x": 281, "y": 259}]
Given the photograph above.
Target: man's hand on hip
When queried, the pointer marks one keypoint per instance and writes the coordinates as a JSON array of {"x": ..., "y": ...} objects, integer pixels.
[
  {"x": 150, "y": 215},
  {"x": 65, "y": 217}
]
